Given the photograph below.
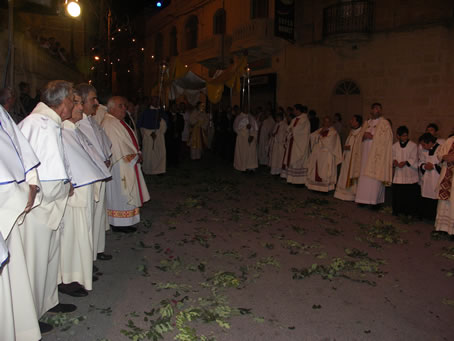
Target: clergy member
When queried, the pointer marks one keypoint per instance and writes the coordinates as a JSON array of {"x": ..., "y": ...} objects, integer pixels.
[
  {"x": 266, "y": 128},
  {"x": 41, "y": 230},
  {"x": 19, "y": 186},
  {"x": 153, "y": 128},
  {"x": 346, "y": 185},
  {"x": 276, "y": 149},
  {"x": 430, "y": 169},
  {"x": 294, "y": 164},
  {"x": 101, "y": 154},
  {"x": 198, "y": 140},
  {"x": 246, "y": 129},
  {"x": 444, "y": 221},
  {"x": 373, "y": 163},
  {"x": 405, "y": 189},
  {"x": 127, "y": 191},
  {"x": 326, "y": 154},
  {"x": 76, "y": 265}
]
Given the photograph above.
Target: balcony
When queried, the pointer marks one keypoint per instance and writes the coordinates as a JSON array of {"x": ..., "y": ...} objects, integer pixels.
[
  {"x": 351, "y": 21},
  {"x": 257, "y": 37},
  {"x": 212, "y": 52}
]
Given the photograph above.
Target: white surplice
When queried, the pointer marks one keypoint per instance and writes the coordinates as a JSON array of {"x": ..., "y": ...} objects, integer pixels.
[
  {"x": 154, "y": 151},
  {"x": 325, "y": 156},
  {"x": 40, "y": 231},
  {"x": 409, "y": 173},
  {"x": 127, "y": 191},
  {"x": 430, "y": 178},
  {"x": 76, "y": 257},
  {"x": 19, "y": 320},
  {"x": 101, "y": 154},
  {"x": 245, "y": 150}
]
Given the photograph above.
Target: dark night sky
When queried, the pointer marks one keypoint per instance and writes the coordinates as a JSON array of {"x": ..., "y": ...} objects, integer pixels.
[{"x": 125, "y": 7}]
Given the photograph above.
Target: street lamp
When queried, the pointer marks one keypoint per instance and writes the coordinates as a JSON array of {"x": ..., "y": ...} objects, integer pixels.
[{"x": 73, "y": 8}]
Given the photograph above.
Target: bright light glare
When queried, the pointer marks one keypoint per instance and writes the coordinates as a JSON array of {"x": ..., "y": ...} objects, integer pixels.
[
  {"x": 158, "y": 4},
  {"x": 73, "y": 9}
]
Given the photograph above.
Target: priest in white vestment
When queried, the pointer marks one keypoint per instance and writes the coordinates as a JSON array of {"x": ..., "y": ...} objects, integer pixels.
[
  {"x": 76, "y": 263},
  {"x": 101, "y": 154},
  {"x": 40, "y": 233},
  {"x": 346, "y": 185},
  {"x": 294, "y": 164},
  {"x": 373, "y": 163},
  {"x": 198, "y": 140},
  {"x": 266, "y": 128},
  {"x": 153, "y": 128},
  {"x": 326, "y": 154},
  {"x": 127, "y": 191},
  {"x": 19, "y": 186},
  {"x": 277, "y": 141},
  {"x": 445, "y": 210},
  {"x": 246, "y": 129}
]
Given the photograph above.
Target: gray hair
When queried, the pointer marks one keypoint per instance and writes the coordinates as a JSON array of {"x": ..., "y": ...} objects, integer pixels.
[
  {"x": 83, "y": 89},
  {"x": 5, "y": 95},
  {"x": 55, "y": 92},
  {"x": 112, "y": 102}
]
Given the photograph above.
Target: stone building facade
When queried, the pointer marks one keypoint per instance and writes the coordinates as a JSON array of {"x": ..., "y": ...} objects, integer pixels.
[{"x": 344, "y": 55}]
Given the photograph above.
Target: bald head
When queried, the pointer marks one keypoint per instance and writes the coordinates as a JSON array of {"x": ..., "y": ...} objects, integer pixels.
[{"x": 116, "y": 106}]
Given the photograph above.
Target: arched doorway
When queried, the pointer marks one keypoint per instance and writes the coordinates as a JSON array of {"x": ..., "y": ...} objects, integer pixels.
[{"x": 346, "y": 100}]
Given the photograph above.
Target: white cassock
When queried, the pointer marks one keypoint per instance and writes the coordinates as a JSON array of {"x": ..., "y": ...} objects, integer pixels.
[
  {"x": 375, "y": 159},
  {"x": 277, "y": 150},
  {"x": 100, "y": 153},
  {"x": 18, "y": 165},
  {"x": 245, "y": 150},
  {"x": 294, "y": 163},
  {"x": 76, "y": 256},
  {"x": 325, "y": 156},
  {"x": 154, "y": 151},
  {"x": 264, "y": 140},
  {"x": 127, "y": 191},
  {"x": 346, "y": 186},
  {"x": 445, "y": 209},
  {"x": 40, "y": 233}
]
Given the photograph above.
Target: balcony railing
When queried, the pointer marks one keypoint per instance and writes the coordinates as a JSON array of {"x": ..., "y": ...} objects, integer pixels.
[{"x": 348, "y": 17}]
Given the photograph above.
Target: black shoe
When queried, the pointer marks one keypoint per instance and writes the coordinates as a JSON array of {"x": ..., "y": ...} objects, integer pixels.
[
  {"x": 103, "y": 256},
  {"x": 73, "y": 289},
  {"x": 63, "y": 308},
  {"x": 94, "y": 278},
  {"x": 45, "y": 328},
  {"x": 124, "y": 229}
]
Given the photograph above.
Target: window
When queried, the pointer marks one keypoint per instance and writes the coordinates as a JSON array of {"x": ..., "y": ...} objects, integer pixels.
[
  {"x": 191, "y": 32},
  {"x": 158, "y": 46},
  {"x": 219, "y": 22},
  {"x": 173, "y": 42},
  {"x": 347, "y": 88},
  {"x": 259, "y": 9}
]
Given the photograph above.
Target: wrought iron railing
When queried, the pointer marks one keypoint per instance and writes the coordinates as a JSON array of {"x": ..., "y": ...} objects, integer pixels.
[{"x": 348, "y": 17}]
